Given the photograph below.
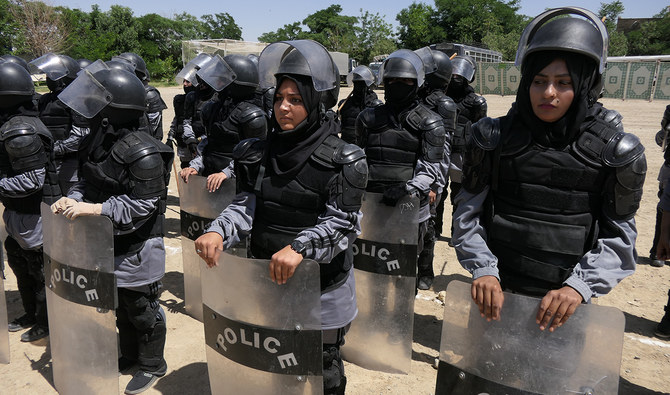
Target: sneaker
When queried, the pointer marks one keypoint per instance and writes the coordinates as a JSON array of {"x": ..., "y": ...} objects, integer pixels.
[
  {"x": 656, "y": 262},
  {"x": 37, "y": 332},
  {"x": 663, "y": 328},
  {"x": 425, "y": 283},
  {"x": 142, "y": 380},
  {"x": 23, "y": 322}
]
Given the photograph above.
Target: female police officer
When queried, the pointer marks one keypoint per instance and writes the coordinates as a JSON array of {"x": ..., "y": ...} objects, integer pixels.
[
  {"x": 551, "y": 189},
  {"x": 300, "y": 191}
]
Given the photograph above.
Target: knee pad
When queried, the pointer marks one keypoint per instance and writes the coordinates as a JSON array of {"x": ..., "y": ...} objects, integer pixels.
[{"x": 334, "y": 381}]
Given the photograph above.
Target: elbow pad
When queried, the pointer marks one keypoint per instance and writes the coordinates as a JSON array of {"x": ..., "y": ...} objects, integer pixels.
[
  {"x": 353, "y": 177},
  {"x": 478, "y": 159}
]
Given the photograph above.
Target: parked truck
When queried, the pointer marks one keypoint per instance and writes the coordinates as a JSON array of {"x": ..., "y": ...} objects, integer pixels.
[{"x": 342, "y": 61}]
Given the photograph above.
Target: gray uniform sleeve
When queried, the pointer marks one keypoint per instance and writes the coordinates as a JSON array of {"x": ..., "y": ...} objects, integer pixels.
[
  {"x": 70, "y": 144},
  {"x": 235, "y": 221},
  {"x": 128, "y": 214},
  {"x": 230, "y": 170},
  {"x": 334, "y": 232},
  {"x": 469, "y": 236},
  {"x": 426, "y": 173},
  {"x": 197, "y": 164},
  {"x": 610, "y": 261},
  {"x": 23, "y": 184},
  {"x": 188, "y": 134}
]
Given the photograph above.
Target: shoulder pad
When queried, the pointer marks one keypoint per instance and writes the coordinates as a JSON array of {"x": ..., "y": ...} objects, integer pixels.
[
  {"x": 249, "y": 150},
  {"x": 369, "y": 116},
  {"x": 348, "y": 153},
  {"x": 622, "y": 149},
  {"x": 421, "y": 118},
  {"x": 13, "y": 126},
  {"x": 611, "y": 117},
  {"x": 324, "y": 154},
  {"x": 376, "y": 103},
  {"x": 474, "y": 100},
  {"x": 246, "y": 112},
  {"x": 154, "y": 101},
  {"x": 134, "y": 146},
  {"x": 486, "y": 133}
]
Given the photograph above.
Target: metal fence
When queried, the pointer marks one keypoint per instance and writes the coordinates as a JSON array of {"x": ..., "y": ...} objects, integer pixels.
[{"x": 622, "y": 80}]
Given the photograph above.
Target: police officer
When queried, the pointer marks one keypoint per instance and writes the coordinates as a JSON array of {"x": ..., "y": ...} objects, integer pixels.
[
  {"x": 124, "y": 176},
  {"x": 264, "y": 96},
  {"x": 155, "y": 104},
  {"x": 437, "y": 67},
  {"x": 551, "y": 189},
  {"x": 404, "y": 140},
  {"x": 176, "y": 133},
  {"x": 361, "y": 97},
  {"x": 194, "y": 128},
  {"x": 471, "y": 108},
  {"x": 302, "y": 157},
  {"x": 663, "y": 174},
  {"x": 67, "y": 127},
  {"x": 229, "y": 117},
  {"x": 27, "y": 178}
]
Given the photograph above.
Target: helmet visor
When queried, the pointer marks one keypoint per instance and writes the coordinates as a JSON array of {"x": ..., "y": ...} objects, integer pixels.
[
  {"x": 364, "y": 74},
  {"x": 51, "y": 65},
  {"x": 323, "y": 71},
  {"x": 411, "y": 57},
  {"x": 85, "y": 95},
  {"x": 217, "y": 73}
]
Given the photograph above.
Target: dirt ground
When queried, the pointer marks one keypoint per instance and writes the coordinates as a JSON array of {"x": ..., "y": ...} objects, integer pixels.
[{"x": 645, "y": 365}]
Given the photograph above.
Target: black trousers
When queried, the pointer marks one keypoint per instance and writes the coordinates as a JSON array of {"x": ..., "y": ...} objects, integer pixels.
[{"x": 28, "y": 267}]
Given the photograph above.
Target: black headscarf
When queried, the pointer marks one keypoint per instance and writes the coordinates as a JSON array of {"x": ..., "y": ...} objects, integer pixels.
[
  {"x": 290, "y": 149},
  {"x": 582, "y": 71}
]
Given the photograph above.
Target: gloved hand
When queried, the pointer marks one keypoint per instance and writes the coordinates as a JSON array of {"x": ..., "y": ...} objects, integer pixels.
[
  {"x": 660, "y": 137},
  {"x": 170, "y": 139},
  {"x": 61, "y": 204},
  {"x": 193, "y": 148},
  {"x": 79, "y": 209},
  {"x": 393, "y": 194}
]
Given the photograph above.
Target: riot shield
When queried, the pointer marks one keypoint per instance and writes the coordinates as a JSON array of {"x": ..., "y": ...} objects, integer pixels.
[
  {"x": 198, "y": 208},
  {"x": 385, "y": 256},
  {"x": 81, "y": 302},
  {"x": 262, "y": 338},
  {"x": 512, "y": 356},
  {"x": 4, "y": 332}
]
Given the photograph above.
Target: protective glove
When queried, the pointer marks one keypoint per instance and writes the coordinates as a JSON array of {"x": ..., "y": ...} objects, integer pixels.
[
  {"x": 61, "y": 204},
  {"x": 393, "y": 194},
  {"x": 170, "y": 139},
  {"x": 79, "y": 209}
]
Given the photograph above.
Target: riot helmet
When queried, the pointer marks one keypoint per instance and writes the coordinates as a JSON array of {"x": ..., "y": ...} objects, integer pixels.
[
  {"x": 253, "y": 58},
  {"x": 16, "y": 85},
  {"x": 216, "y": 73},
  {"x": 59, "y": 69},
  {"x": 15, "y": 59},
  {"x": 115, "y": 94},
  {"x": 189, "y": 71},
  {"x": 363, "y": 74},
  {"x": 301, "y": 58},
  {"x": 437, "y": 66},
  {"x": 402, "y": 64},
  {"x": 83, "y": 63},
  {"x": 464, "y": 66},
  {"x": 246, "y": 81},
  {"x": 138, "y": 63},
  {"x": 585, "y": 36},
  {"x": 117, "y": 65}
]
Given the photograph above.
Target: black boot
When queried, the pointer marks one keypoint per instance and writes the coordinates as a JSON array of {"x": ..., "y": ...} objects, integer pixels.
[{"x": 663, "y": 328}]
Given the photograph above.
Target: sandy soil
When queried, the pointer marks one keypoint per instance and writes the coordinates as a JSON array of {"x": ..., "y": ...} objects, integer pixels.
[{"x": 645, "y": 365}]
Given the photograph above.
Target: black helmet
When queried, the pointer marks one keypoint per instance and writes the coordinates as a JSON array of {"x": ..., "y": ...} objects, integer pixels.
[
  {"x": 128, "y": 95},
  {"x": 294, "y": 63},
  {"x": 15, "y": 59},
  {"x": 403, "y": 63},
  {"x": 246, "y": 81},
  {"x": 83, "y": 63},
  {"x": 253, "y": 58},
  {"x": 61, "y": 68},
  {"x": 120, "y": 65},
  {"x": 361, "y": 74},
  {"x": 587, "y": 37},
  {"x": 437, "y": 67},
  {"x": 16, "y": 85},
  {"x": 464, "y": 66},
  {"x": 138, "y": 63}
]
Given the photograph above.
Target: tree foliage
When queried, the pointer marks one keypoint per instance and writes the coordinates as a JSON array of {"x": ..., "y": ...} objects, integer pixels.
[
  {"x": 418, "y": 26},
  {"x": 221, "y": 25}
]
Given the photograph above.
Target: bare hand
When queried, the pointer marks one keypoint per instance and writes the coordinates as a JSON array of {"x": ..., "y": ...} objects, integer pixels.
[
  {"x": 79, "y": 209},
  {"x": 488, "y": 295},
  {"x": 557, "y": 306},
  {"x": 215, "y": 180},
  {"x": 432, "y": 196},
  {"x": 184, "y": 173},
  {"x": 209, "y": 247},
  {"x": 283, "y": 264},
  {"x": 61, "y": 204},
  {"x": 663, "y": 246}
]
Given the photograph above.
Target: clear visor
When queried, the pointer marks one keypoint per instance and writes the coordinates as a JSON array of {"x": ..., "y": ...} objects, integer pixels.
[
  {"x": 461, "y": 66},
  {"x": 546, "y": 16},
  {"x": 49, "y": 64},
  {"x": 426, "y": 56},
  {"x": 85, "y": 95},
  {"x": 324, "y": 73},
  {"x": 94, "y": 67},
  {"x": 217, "y": 73},
  {"x": 365, "y": 74},
  {"x": 190, "y": 70},
  {"x": 125, "y": 60},
  {"x": 411, "y": 57}
]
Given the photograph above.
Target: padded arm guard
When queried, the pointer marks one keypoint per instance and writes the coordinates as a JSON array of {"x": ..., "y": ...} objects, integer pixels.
[
  {"x": 24, "y": 140},
  {"x": 478, "y": 158},
  {"x": 431, "y": 128},
  {"x": 148, "y": 162},
  {"x": 248, "y": 156},
  {"x": 353, "y": 177},
  {"x": 623, "y": 192},
  {"x": 252, "y": 120},
  {"x": 476, "y": 106}
]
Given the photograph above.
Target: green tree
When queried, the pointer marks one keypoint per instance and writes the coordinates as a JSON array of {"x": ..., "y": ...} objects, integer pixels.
[
  {"x": 336, "y": 32},
  {"x": 221, "y": 25},
  {"x": 417, "y": 26},
  {"x": 10, "y": 29},
  {"x": 42, "y": 28},
  {"x": 375, "y": 37},
  {"x": 618, "y": 43},
  {"x": 122, "y": 27},
  {"x": 291, "y": 31}
]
